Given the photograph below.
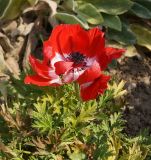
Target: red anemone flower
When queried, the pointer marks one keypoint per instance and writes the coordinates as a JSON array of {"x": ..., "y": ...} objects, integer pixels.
[
  {"x": 74, "y": 54},
  {"x": 92, "y": 89}
]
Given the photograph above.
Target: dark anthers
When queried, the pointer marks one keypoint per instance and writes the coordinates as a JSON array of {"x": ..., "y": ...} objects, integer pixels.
[{"x": 76, "y": 57}]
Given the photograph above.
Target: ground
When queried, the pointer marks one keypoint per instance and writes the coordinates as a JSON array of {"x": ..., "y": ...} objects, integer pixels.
[{"x": 136, "y": 71}]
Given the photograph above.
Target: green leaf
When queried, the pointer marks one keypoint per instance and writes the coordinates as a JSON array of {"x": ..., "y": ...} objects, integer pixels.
[
  {"x": 125, "y": 36},
  {"x": 114, "y": 7},
  {"x": 3, "y": 89},
  {"x": 143, "y": 0},
  {"x": 111, "y": 21},
  {"x": 10, "y": 9},
  {"x": 71, "y": 19},
  {"x": 131, "y": 51},
  {"x": 69, "y": 4},
  {"x": 3, "y": 5},
  {"x": 145, "y": 3},
  {"x": 143, "y": 35},
  {"x": 76, "y": 155},
  {"x": 90, "y": 13},
  {"x": 141, "y": 11},
  {"x": 32, "y": 2},
  {"x": 13, "y": 9},
  {"x": 43, "y": 123}
]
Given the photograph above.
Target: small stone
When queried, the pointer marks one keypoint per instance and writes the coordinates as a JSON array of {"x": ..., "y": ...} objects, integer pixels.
[
  {"x": 131, "y": 86},
  {"x": 146, "y": 80}
]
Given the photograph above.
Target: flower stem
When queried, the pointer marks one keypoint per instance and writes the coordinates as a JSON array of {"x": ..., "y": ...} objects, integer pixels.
[{"x": 77, "y": 91}]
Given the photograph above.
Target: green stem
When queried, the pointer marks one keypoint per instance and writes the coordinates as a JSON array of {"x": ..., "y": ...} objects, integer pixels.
[{"x": 77, "y": 91}]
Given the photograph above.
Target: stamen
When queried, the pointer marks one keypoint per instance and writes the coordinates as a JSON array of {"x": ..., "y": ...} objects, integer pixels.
[{"x": 76, "y": 57}]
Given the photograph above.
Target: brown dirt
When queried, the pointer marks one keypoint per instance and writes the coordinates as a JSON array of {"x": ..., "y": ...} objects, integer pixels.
[{"x": 136, "y": 72}]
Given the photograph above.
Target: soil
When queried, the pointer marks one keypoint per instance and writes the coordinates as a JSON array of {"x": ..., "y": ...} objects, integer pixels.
[{"x": 136, "y": 72}]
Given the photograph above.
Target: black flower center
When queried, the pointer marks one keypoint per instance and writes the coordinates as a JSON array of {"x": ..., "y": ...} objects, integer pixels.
[{"x": 76, "y": 57}]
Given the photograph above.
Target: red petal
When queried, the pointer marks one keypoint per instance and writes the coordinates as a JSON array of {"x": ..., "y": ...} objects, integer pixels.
[
  {"x": 68, "y": 77},
  {"x": 91, "y": 90},
  {"x": 90, "y": 74},
  {"x": 39, "y": 68},
  {"x": 47, "y": 52},
  {"x": 108, "y": 55},
  {"x": 114, "y": 53},
  {"x": 61, "y": 67},
  {"x": 103, "y": 61},
  {"x": 39, "y": 81},
  {"x": 54, "y": 38},
  {"x": 68, "y": 38},
  {"x": 97, "y": 41}
]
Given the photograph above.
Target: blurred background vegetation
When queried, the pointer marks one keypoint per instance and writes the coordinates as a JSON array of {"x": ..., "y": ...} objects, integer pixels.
[{"x": 126, "y": 21}]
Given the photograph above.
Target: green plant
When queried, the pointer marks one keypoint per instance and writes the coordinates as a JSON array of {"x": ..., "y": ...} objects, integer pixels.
[{"x": 56, "y": 125}]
